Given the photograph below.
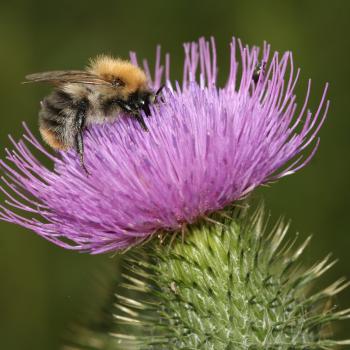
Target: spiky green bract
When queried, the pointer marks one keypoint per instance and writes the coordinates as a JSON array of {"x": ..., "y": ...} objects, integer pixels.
[{"x": 228, "y": 285}]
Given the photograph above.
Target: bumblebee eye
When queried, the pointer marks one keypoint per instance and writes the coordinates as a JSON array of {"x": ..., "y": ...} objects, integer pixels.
[{"x": 117, "y": 82}]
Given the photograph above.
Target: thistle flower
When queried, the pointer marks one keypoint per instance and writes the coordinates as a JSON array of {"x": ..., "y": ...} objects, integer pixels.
[{"x": 206, "y": 148}]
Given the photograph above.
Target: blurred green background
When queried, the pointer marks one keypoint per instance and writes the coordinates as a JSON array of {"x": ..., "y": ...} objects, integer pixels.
[{"x": 43, "y": 287}]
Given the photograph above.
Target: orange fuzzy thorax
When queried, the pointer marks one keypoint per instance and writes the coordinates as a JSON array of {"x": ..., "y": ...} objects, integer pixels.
[{"x": 109, "y": 68}]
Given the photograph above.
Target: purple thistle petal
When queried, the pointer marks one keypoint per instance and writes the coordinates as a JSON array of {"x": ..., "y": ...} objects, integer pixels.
[{"x": 206, "y": 148}]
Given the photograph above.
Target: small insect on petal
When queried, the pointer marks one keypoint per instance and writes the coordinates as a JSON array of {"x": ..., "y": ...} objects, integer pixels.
[{"x": 259, "y": 71}]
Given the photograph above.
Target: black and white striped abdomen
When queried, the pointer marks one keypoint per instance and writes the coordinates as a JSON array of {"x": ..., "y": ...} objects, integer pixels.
[{"x": 57, "y": 119}]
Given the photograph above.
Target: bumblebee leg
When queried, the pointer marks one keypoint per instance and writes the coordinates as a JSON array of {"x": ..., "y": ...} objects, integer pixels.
[
  {"x": 147, "y": 110},
  {"x": 79, "y": 143},
  {"x": 141, "y": 121},
  {"x": 134, "y": 113}
]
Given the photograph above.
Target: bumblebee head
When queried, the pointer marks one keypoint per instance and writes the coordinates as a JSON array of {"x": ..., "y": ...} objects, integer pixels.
[{"x": 141, "y": 99}]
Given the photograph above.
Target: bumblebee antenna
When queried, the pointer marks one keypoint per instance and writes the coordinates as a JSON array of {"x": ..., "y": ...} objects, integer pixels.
[{"x": 159, "y": 90}]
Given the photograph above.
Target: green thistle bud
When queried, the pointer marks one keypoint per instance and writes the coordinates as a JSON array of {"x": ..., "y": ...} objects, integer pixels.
[{"x": 228, "y": 285}]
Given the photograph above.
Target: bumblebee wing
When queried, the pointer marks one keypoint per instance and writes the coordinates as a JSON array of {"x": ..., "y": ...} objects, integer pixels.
[{"x": 65, "y": 76}]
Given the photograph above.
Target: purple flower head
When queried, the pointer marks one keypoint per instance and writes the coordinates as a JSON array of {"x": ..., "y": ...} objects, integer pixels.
[{"x": 207, "y": 146}]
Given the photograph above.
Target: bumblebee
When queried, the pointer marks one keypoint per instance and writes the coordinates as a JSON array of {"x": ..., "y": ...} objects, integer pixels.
[{"x": 97, "y": 94}]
